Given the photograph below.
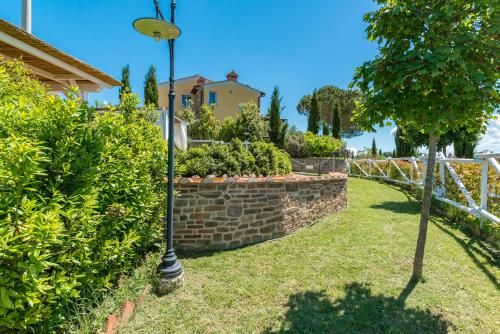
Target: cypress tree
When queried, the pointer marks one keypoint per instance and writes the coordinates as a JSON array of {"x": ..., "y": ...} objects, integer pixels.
[
  {"x": 151, "y": 87},
  {"x": 374, "y": 148},
  {"x": 326, "y": 129},
  {"x": 336, "y": 122},
  {"x": 314, "y": 116},
  {"x": 277, "y": 128},
  {"x": 125, "y": 88},
  {"x": 405, "y": 140},
  {"x": 465, "y": 143}
]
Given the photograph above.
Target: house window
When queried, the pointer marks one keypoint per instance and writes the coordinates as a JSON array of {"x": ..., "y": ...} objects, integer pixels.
[
  {"x": 185, "y": 101},
  {"x": 212, "y": 98}
]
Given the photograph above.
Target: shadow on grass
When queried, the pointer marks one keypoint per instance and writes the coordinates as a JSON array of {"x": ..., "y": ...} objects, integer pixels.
[
  {"x": 409, "y": 207},
  {"x": 474, "y": 247},
  {"x": 359, "y": 311}
]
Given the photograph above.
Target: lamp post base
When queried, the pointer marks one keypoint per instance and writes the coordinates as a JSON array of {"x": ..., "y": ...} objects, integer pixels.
[
  {"x": 167, "y": 285},
  {"x": 171, "y": 273}
]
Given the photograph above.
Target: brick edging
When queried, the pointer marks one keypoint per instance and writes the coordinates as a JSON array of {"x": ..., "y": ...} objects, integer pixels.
[
  {"x": 253, "y": 178},
  {"x": 113, "y": 321}
]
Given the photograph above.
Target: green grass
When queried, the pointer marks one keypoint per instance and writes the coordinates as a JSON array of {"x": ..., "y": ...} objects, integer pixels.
[
  {"x": 349, "y": 273},
  {"x": 90, "y": 314}
]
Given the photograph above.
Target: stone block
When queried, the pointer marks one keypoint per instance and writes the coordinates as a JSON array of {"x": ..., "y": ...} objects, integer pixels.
[
  {"x": 267, "y": 229},
  {"x": 234, "y": 211}
]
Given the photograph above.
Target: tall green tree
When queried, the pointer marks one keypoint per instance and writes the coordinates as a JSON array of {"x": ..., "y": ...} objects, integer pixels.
[
  {"x": 277, "y": 127},
  {"x": 407, "y": 140},
  {"x": 328, "y": 97},
  {"x": 336, "y": 121},
  {"x": 374, "y": 148},
  {"x": 326, "y": 128},
  {"x": 314, "y": 118},
  {"x": 125, "y": 87},
  {"x": 437, "y": 69},
  {"x": 151, "y": 87},
  {"x": 465, "y": 143}
]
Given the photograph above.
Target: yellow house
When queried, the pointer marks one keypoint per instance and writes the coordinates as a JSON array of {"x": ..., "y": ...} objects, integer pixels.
[{"x": 225, "y": 96}]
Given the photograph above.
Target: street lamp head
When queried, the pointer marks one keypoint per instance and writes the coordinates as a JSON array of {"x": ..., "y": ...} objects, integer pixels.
[{"x": 157, "y": 28}]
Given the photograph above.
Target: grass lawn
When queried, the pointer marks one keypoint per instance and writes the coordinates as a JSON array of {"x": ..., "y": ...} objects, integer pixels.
[{"x": 349, "y": 273}]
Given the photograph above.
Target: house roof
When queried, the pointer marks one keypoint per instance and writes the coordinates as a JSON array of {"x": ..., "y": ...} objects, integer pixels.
[
  {"x": 210, "y": 83},
  {"x": 232, "y": 82},
  {"x": 49, "y": 64},
  {"x": 189, "y": 78}
]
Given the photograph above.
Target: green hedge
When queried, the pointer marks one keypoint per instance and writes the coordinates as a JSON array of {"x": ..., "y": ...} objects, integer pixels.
[
  {"x": 306, "y": 145},
  {"x": 234, "y": 159},
  {"x": 81, "y": 197}
]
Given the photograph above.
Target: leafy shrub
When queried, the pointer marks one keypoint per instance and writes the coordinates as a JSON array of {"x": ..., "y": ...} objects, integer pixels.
[
  {"x": 81, "y": 197},
  {"x": 305, "y": 145},
  {"x": 269, "y": 160},
  {"x": 206, "y": 126},
  {"x": 186, "y": 114},
  {"x": 247, "y": 125},
  {"x": 198, "y": 161},
  {"x": 229, "y": 130},
  {"x": 295, "y": 145},
  {"x": 234, "y": 159},
  {"x": 320, "y": 146}
]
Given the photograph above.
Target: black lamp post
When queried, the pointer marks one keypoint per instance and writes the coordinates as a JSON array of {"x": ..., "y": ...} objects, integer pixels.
[{"x": 170, "y": 269}]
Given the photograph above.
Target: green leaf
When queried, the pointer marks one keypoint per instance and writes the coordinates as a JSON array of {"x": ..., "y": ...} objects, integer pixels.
[{"x": 5, "y": 301}]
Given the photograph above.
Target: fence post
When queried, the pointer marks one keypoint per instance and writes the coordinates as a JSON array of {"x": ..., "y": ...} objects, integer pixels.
[
  {"x": 388, "y": 168},
  {"x": 484, "y": 186},
  {"x": 442, "y": 177}
]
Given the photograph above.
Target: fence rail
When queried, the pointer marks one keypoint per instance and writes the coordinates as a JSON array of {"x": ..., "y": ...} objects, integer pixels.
[{"x": 415, "y": 175}]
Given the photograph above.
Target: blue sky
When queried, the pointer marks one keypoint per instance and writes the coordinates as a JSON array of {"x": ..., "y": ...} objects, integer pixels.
[{"x": 295, "y": 44}]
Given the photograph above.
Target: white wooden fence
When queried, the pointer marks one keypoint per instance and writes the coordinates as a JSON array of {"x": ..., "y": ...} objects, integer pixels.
[{"x": 370, "y": 168}]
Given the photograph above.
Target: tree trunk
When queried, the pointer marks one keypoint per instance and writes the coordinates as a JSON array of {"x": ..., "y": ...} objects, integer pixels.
[{"x": 424, "y": 214}]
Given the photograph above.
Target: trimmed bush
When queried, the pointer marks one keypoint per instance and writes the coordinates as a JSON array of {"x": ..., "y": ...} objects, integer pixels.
[
  {"x": 307, "y": 145},
  {"x": 269, "y": 160},
  {"x": 321, "y": 146},
  {"x": 235, "y": 160},
  {"x": 81, "y": 199},
  {"x": 295, "y": 145}
]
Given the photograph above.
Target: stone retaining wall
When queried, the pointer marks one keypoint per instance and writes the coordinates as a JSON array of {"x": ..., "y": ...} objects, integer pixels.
[
  {"x": 225, "y": 213},
  {"x": 328, "y": 165}
]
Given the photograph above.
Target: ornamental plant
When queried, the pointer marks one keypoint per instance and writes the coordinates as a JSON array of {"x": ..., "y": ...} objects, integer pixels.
[
  {"x": 234, "y": 159},
  {"x": 81, "y": 198},
  {"x": 321, "y": 146},
  {"x": 277, "y": 127},
  {"x": 247, "y": 125},
  {"x": 437, "y": 70},
  {"x": 206, "y": 126}
]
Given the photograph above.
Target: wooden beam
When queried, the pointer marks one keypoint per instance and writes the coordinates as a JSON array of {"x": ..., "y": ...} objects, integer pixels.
[
  {"x": 53, "y": 60},
  {"x": 84, "y": 87},
  {"x": 69, "y": 76}
]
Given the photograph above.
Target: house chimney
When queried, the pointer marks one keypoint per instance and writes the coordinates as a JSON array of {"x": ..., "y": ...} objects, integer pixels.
[
  {"x": 232, "y": 76},
  {"x": 26, "y": 16},
  {"x": 200, "y": 81}
]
